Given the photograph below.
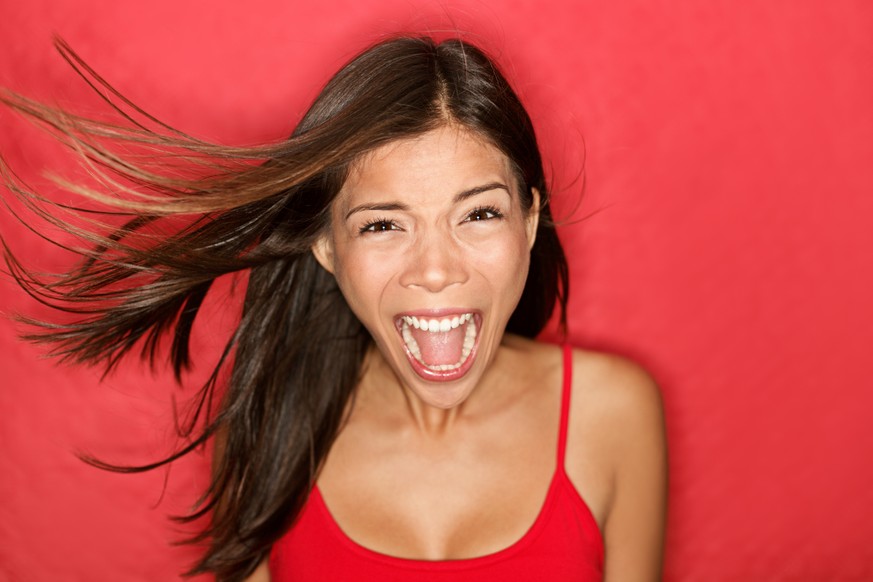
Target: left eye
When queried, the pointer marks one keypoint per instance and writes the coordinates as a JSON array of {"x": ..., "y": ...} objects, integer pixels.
[{"x": 485, "y": 213}]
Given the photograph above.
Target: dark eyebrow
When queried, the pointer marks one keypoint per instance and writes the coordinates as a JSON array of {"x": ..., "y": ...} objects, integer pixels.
[
  {"x": 382, "y": 206},
  {"x": 459, "y": 197}
]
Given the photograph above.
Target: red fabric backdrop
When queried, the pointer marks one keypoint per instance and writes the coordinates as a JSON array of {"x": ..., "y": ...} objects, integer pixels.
[{"x": 727, "y": 246}]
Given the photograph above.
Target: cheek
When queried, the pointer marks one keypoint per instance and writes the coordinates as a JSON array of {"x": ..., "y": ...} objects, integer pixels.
[
  {"x": 504, "y": 264},
  {"x": 363, "y": 278}
]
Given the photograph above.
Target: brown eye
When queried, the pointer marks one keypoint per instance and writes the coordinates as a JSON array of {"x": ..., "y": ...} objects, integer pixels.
[
  {"x": 483, "y": 213},
  {"x": 380, "y": 225}
]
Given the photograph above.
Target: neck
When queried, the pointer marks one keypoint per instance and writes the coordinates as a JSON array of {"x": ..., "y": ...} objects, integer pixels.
[{"x": 381, "y": 392}]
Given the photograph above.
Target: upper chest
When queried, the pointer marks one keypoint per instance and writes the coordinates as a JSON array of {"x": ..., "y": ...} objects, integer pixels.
[{"x": 399, "y": 494}]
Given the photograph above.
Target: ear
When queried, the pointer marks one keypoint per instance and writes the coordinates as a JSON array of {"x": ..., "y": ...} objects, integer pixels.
[
  {"x": 533, "y": 218},
  {"x": 323, "y": 251}
]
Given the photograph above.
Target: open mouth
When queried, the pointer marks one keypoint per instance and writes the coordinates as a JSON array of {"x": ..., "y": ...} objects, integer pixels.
[{"x": 440, "y": 348}]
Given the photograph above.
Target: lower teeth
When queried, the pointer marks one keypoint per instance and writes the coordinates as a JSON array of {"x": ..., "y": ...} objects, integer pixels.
[{"x": 469, "y": 341}]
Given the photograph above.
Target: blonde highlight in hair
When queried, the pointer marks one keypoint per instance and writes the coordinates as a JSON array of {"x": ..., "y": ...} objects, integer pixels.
[{"x": 196, "y": 211}]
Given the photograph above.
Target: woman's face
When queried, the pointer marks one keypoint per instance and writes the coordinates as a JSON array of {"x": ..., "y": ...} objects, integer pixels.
[{"x": 430, "y": 246}]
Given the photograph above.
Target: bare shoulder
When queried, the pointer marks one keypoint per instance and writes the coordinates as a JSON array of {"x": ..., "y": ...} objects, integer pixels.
[
  {"x": 617, "y": 458},
  {"x": 261, "y": 574},
  {"x": 616, "y": 418},
  {"x": 617, "y": 388},
  {"x": 614, "y": 402}
]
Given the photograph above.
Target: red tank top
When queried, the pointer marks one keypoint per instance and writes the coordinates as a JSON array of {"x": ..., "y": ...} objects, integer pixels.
[{"x": 564, "y": 542}]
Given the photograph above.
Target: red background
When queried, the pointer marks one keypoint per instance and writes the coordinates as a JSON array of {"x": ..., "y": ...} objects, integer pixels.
[{"x": 727, "y": 247}]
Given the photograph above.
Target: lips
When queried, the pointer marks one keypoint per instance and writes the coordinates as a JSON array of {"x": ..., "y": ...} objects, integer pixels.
[{"x": 440, "y": 344}]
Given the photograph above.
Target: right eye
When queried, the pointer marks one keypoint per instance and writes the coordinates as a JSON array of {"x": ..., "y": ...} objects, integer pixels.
[{"x": 379, "y": 225}]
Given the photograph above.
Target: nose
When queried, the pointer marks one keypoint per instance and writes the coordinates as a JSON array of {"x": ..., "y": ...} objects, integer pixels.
[{"x": 433, "y": 263}]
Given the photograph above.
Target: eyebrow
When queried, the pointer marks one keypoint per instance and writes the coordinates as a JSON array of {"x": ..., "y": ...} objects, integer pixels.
[{"x": 459, "y": 197}]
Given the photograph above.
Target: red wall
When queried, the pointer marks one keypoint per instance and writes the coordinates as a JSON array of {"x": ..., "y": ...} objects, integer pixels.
[{"x": 727, "y": 246}]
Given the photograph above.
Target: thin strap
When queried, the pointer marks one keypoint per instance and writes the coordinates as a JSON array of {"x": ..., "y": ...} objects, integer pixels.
[{"x": 565, "y": 404}]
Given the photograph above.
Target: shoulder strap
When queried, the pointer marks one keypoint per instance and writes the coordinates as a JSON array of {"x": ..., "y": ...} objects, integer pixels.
[{"x": 566, "y": 390}]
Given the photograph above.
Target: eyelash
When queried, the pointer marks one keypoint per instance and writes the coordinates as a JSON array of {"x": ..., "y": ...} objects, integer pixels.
[
  {"x": 484, "y": 210},
  {"x": 371, "y": 226},
  {"x": 386, "y": 224}
]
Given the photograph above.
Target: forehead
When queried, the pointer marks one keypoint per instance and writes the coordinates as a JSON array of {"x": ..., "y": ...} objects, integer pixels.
[{"x": 426, "y": 168}]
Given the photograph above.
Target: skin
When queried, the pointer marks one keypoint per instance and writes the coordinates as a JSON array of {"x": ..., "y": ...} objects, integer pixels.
[
  {"x": 452, "y": 470},
  {"x": 409, "y": 235}
]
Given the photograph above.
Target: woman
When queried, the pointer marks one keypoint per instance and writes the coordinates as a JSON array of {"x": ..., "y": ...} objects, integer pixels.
[{"x": 387, "y": 416}]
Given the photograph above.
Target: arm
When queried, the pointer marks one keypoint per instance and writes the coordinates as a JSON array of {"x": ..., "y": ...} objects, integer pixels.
[
  {"x": 634, "y": 526},
  {"x": 617, "y": 459}
]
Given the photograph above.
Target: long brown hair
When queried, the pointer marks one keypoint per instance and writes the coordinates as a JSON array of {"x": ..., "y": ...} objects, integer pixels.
[{"x": 297, "y": 352}]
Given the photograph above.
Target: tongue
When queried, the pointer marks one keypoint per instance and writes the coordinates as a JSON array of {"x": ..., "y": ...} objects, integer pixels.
[{"x": 440, "y": 348}]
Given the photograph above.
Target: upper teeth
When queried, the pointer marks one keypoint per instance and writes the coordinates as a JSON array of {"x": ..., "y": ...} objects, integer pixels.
[{"x": 437, "y": 325}]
